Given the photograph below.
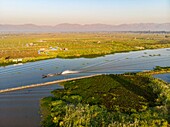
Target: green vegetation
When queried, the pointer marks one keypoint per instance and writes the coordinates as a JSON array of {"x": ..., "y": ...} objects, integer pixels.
[
  {"x": 109, "y": 101},
  {"x": 159, "y": 70},
  {"x": 69, "y": 45}
]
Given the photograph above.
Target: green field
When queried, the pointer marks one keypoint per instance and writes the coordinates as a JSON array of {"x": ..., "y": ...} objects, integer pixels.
[
  {"x": 109, "y": 101},
  {"x": 69, "y": 45}
]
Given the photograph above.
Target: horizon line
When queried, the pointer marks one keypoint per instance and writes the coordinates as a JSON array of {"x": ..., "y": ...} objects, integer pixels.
[{"x": 84, "y": 24}]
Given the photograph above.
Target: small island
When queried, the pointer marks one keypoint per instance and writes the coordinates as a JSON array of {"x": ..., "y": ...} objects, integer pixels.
[{"x": 130, "y": 99}]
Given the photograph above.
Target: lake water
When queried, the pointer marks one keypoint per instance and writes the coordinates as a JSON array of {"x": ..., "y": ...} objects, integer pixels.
[
  {"x": 31, "y": 73},
  {"x": 165, "y": 77},
  {"x": 21, "y": 108}
]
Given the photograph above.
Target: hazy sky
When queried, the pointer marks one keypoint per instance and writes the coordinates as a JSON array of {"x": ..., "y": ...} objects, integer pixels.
[{"x": 52, "y": 12}]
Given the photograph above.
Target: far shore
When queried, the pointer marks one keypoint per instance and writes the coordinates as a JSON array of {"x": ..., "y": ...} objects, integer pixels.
[
  {"x": 34, "y": 59},
  {"x": 42, "y": 46}
]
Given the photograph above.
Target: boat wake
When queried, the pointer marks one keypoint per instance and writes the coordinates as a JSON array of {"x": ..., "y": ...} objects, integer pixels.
[
  {"x": 69, "y": 72},
  {"x": 66, "y": 72}
]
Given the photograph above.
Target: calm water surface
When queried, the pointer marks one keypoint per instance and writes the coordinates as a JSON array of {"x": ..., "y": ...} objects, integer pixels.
[
  {"x": 21, "y": 108},
  {"x": 31, "y": 73},
  {"x": 165, "y": 77}
]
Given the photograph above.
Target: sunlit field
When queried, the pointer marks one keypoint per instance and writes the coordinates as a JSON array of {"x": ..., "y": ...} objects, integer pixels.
[{"x": 33, "y": 47}]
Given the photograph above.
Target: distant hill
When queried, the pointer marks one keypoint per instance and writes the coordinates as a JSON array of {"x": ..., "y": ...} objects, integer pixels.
[{"x": 65, "y": 27}]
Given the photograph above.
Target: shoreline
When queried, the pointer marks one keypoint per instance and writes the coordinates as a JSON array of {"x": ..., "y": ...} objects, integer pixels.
[{"x": 35, "y": 59}]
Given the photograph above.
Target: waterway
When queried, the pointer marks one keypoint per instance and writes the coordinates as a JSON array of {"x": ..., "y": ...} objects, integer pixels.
[
  {"x": 21, "y": 108},
  {"x": 165, "y": 77}
]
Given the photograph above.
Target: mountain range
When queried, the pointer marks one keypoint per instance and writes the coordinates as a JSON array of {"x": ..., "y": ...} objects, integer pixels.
[{"x": 65, "y": 27}]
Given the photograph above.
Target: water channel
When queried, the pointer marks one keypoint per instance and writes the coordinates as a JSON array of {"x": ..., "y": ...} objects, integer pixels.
[{"x": 21, "y": 108}]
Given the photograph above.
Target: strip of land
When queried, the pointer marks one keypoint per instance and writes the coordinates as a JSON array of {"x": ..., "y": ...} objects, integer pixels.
[
  {"x": 44, "y": 84},
  {"x": 21, "y": 48}
]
